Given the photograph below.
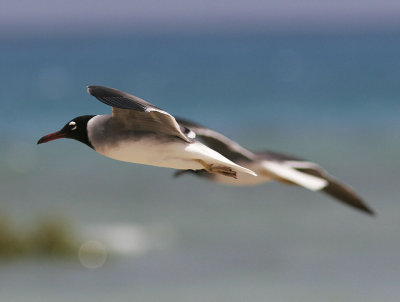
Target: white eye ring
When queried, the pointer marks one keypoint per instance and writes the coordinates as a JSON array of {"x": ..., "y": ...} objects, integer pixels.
[{"x": 73, "y": 124}]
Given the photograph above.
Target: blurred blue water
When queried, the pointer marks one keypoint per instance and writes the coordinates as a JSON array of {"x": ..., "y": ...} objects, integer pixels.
[
  {"x": 333, "y": 80},
  {"x": 330, "y": 98}
]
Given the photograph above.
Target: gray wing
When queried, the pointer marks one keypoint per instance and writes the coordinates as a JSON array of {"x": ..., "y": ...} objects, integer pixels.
[
  {"x": 218, "y": 142},
  {"x": 139, "y": 113},
  {"x": 333, "y": 187}
]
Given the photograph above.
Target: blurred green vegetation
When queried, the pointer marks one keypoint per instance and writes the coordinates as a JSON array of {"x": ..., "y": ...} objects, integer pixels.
[{"x": 48, "y": 238}]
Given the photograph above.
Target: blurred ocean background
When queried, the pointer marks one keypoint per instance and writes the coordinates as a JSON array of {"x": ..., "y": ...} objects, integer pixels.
[{"x": 331, "y": 97}]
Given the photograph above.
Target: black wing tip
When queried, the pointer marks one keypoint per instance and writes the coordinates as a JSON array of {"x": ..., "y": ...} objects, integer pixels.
[
  {"x": 367, "y": 210},
  {"x": 343, "y": 194},
  {"x": 104, "y": 91},
  {"x": 96, "y": 90},
  {"x": 362, "y": 207}
]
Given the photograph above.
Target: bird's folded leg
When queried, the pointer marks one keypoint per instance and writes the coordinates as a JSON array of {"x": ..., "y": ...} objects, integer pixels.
[{"x": 222, "y": 170}]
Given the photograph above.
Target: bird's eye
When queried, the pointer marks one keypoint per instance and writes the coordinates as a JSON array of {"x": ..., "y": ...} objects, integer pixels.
[{"x": 72, "y": 125}]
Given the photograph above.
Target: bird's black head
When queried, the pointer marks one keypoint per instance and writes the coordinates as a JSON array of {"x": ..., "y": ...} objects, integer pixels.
[{"x": 75, "y": 129}]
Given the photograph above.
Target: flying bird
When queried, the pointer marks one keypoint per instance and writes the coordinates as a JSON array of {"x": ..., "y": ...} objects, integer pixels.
[
  {"x": 139, "y": 132},
  {"x": 272, "y": 166}
]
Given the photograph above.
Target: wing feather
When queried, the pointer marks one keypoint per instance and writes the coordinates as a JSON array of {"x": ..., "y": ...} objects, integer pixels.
[
  {"x": 289, "y": 173},
  {"x": 142, "y": 115},
  {"x": 284, "y": 166}
]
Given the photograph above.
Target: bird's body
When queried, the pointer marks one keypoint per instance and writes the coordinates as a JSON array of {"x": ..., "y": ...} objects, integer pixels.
[
  {"x": 269, "y": 166},
  {"x": 139, "y": 132},
  {"x": 122, "y": 142}
]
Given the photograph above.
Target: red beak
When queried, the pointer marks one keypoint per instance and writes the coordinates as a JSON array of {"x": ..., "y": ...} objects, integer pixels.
[{"x": 51, "y": 137}]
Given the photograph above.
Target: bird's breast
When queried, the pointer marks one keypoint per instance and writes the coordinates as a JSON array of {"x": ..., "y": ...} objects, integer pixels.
[{"x": 149, "y": 150}]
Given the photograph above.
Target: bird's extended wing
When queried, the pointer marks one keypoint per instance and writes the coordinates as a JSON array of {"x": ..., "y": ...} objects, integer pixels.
[
  {"x": 139, "y": 113},
  {"x": 310, "y": 176}
]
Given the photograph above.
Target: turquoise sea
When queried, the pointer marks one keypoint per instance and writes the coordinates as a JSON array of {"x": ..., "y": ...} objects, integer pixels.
[{"x": 331, "y": 98}]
